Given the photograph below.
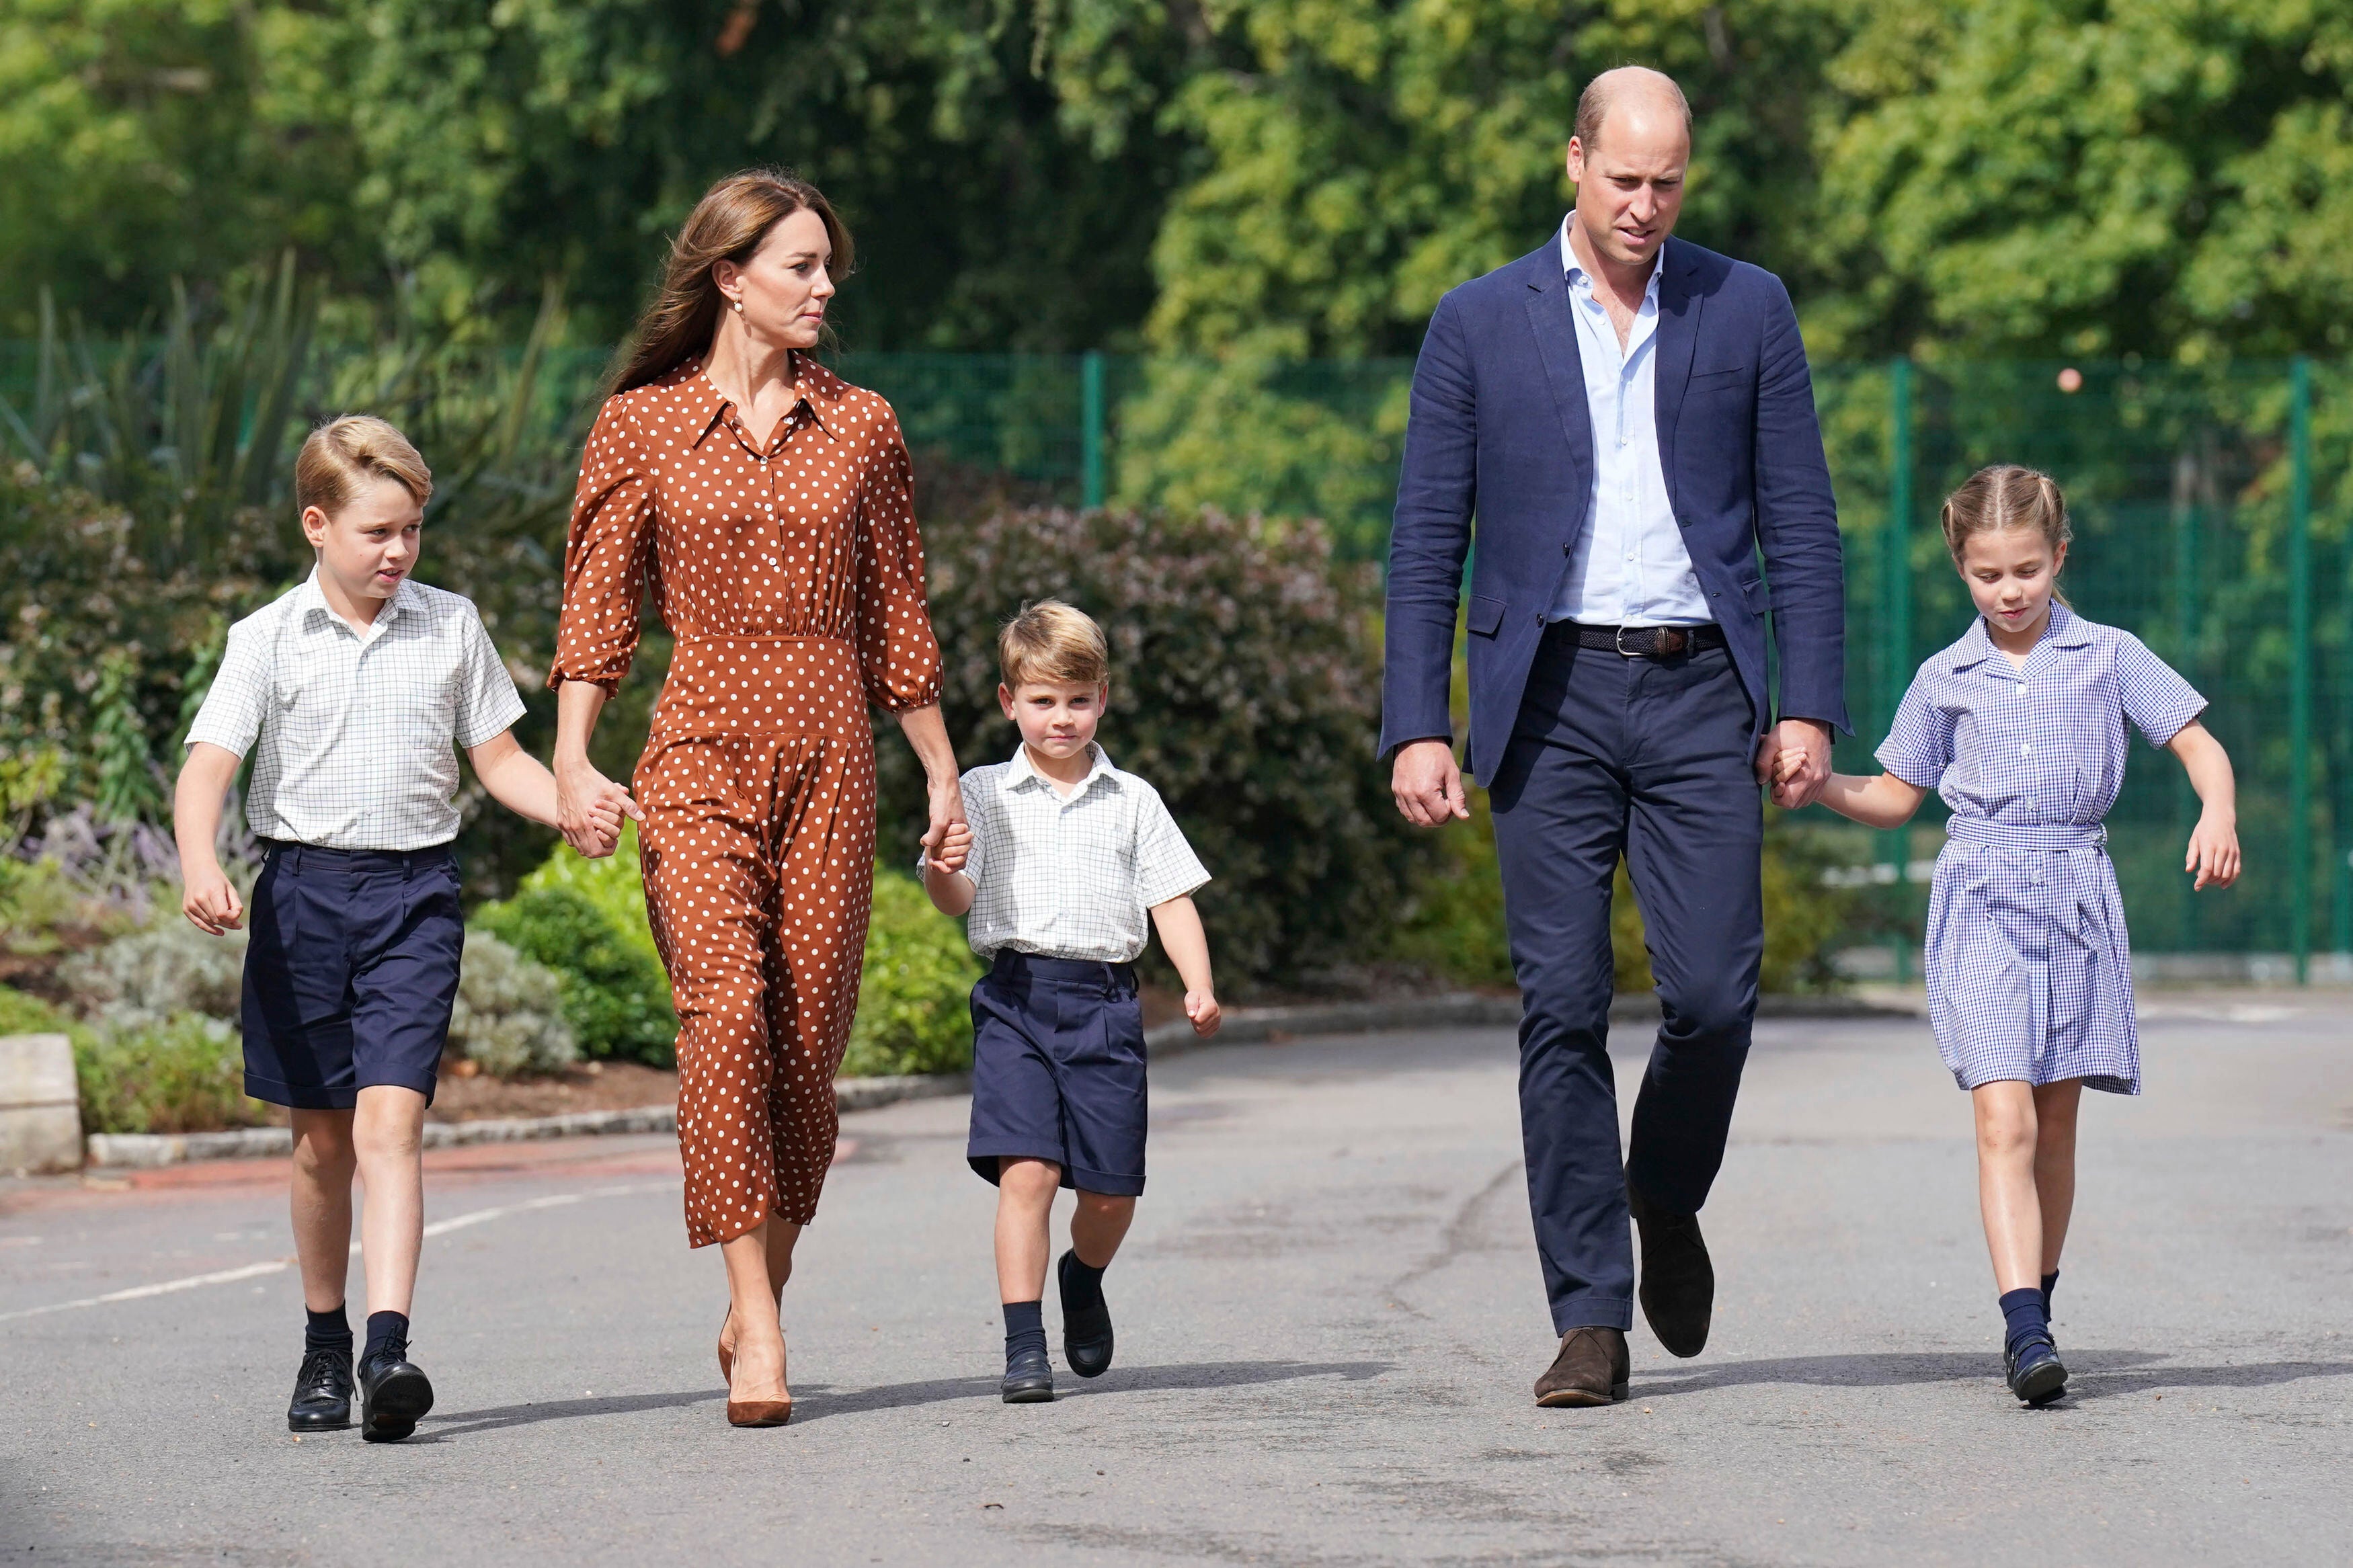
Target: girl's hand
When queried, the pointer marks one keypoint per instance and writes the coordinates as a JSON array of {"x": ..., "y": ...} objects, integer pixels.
[
  {"x": 1202, "y": 1008},
  {"x": 952, "y": 850},
  {"x": 211, "y": 903},
  {"x": 2213, "y": 856}
]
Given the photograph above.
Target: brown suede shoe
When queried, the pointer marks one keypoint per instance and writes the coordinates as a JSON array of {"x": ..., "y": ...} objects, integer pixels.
[
  {"x": 1591, "y": 1369},
  {"x": 1678, "y": 1291}
]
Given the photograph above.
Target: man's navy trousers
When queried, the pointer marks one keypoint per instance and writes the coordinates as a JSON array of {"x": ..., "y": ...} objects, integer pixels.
[{"x": 1650, "y": 758}]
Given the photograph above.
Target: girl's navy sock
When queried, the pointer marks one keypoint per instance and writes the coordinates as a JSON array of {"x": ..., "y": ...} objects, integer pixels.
[
  {"x": 327, "y": 1331},
  {"x": 1025, "y": 1328},
  {"x": 388, "y": 1337},
  {"x": 2026, "y": 1316},
  {"x": 2050, "y": 1283}
]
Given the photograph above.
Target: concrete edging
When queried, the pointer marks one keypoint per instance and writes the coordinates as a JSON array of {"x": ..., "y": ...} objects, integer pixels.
[{"x": 1243, "y": 1026}]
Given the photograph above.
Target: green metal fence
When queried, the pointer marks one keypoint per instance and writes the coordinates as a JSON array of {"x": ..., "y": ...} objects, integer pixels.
[{"x": 2210, "y": 506}]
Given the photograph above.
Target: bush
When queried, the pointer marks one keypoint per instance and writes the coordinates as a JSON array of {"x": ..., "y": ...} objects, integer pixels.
[
  {"x": 585, "y": 920},
  {"x": 185, "y": 1074},
  {"x": 509, "y": 1019},
  {"x": 1246, "y": 681},
  {"x": 140, "y": 981},
  {"x": 914, "y": 990},
  {"x": 23, "y": 1015}
]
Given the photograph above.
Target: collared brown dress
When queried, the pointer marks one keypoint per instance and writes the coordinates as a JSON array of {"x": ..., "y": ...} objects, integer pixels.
[{"x": 792, "y": 578}]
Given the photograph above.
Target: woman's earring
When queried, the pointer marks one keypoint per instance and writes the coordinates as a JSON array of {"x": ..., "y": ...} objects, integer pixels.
[{"x": 738, "y": 304}]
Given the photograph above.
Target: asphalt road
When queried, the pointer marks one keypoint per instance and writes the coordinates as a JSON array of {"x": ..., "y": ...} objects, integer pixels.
[{"x": 1329, "y": 1318}]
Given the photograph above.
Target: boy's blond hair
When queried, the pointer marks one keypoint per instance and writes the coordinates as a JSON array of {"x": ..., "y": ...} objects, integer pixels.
[
  {"x": 343, "y": 453},
  {"x": 1052, "y": 643}
]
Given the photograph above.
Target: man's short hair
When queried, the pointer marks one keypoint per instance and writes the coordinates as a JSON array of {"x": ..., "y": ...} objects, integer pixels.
[
  {"x": 357, "y": 449},
  {"x": 1052, "y": 643},
  {"x": 1593, "y": 104}
]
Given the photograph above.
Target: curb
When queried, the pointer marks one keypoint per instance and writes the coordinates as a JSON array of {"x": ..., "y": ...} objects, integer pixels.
[{"x": 1243, "y": 1026}]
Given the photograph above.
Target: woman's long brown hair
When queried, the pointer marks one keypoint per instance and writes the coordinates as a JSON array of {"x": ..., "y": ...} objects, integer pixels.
[{"x": 727, "y": 225}]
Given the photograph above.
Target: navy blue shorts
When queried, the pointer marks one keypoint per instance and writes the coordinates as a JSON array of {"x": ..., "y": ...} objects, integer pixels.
[
  {"x": 350, "y": 973},
  {"x": 1057, "y": 1070}
]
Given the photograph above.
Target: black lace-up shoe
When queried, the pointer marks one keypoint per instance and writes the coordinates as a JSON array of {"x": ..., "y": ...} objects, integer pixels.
[
  {"x": 322, "y": 1393},
  {"x": 1029, "y": 1379},
  {"x": 393, "y": 1396},
  {"x": 1086, "y": 1325}
]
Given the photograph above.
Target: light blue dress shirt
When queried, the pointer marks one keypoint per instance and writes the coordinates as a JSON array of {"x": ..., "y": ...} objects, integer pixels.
[{"x": 1628, "y": 567}]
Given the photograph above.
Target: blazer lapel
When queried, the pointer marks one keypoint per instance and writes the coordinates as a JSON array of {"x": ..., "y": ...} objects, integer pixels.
[
  {"x": 1555, "y": 329},
  {"x": 1678, "y": 335}
]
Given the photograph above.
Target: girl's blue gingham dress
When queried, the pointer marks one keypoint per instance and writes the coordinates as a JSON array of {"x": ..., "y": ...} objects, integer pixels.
[{"x": 2029, "y": 968}]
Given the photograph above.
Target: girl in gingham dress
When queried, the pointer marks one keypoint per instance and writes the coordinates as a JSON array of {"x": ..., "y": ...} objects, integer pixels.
[{"x": 2020, "y": 726}]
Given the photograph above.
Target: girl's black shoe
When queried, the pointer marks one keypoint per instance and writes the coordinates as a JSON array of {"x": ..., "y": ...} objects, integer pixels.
[
  {"x": 323, "y": 1393},
  {"x": 2035, "y": 1372}
]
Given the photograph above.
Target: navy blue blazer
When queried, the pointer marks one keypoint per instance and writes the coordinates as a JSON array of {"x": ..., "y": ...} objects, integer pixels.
[{"x": 1500, "y": 429}]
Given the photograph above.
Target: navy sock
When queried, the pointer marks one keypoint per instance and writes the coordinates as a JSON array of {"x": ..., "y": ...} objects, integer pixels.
[
  {"x": 2026, "y": 1316},
  {"x": 1082, "y": 1286},
  {"x": 388, "y": 1336},
  {"x": 327, "y": 1331},
  {"x": 1025, "y": 1329},
  {"x": 2050, "y": 1283}
]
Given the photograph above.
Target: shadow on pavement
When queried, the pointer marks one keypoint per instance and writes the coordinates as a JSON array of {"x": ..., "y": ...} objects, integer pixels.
[
  {"x": 2094, "y": 1374},
  {"x": 814, "y": 1401},
  {"x": 819, "y": 1400}
]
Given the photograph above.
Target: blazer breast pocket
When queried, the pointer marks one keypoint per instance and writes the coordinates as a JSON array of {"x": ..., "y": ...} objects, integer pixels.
[
  {"x": 1722, "y": 380},
  {"x": 1486, "y": 615}
]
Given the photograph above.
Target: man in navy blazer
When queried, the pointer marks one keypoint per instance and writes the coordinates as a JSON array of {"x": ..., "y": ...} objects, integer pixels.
[{"x": 1631, "y": 420}]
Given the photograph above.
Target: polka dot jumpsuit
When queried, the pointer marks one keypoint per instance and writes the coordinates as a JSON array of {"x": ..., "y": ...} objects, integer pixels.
[{"x": 792, "y": 578}]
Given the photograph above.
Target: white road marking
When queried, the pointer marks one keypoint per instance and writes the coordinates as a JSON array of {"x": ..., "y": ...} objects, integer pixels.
[{"x": 279, "y": 1264}]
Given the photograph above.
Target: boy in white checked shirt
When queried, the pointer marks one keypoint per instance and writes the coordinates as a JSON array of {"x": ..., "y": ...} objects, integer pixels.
[
  {"x": 1064, "y": 859},
  {"x": 350, "y": 692}
]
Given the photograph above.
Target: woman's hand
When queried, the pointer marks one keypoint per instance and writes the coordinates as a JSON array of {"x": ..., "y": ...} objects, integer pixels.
[
  {"x": 2213, "y": 856},
  {"x": 589, "y": 808},
  {"x": 946, "y": 801}
]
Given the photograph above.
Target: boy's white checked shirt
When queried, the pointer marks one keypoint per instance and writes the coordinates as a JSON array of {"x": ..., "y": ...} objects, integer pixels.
[
  {"x": 1070, "y": 876},
  {"x": 352, "y": 737}
]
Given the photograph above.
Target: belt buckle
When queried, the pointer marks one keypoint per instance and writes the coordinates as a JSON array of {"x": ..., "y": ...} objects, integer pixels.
[{"x": 1618, "y": 641}]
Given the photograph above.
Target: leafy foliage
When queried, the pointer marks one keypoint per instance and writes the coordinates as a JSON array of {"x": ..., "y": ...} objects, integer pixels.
[
  {"x": 1245, "y": 686},
  {"x": 142, "y": 980},
  {"x": 615, "y": 995},
  {"x": 914, "y": 1013},
  {"x": 508, "y": 1016},
  {"x": 185, "y": 1074}
]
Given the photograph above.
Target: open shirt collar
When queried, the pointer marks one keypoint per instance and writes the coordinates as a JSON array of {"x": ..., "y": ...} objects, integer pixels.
[{"x": 1023, "y": 772}]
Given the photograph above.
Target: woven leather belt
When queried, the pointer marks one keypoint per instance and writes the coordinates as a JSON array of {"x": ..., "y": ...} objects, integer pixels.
[{"x": 1649, "y": 642}]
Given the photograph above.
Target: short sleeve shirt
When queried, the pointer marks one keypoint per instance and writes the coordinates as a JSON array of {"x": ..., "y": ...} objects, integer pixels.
[
  {"x": 2038, "y": 746},
  {"x": 1072, "y": 876},
  {"x": 353, "y": 736}
]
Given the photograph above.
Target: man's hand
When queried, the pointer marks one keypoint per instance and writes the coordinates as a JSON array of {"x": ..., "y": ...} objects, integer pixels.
[
  {"x": 1800, "y": 778},
  {"x": 1428, "y": 784},
  {"x": 211, "y": 902}
]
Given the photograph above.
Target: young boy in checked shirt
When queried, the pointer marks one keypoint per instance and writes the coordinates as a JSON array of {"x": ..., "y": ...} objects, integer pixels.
[
  {"x": 352, "y": 692},
  {"x": 1064, "y": 857}
]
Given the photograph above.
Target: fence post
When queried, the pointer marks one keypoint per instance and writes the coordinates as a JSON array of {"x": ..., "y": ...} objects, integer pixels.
[
  {"x": 1896, "y": 619},
  {"x": 2299, "y": 572},
  {"x": 1091, "y": 426}
]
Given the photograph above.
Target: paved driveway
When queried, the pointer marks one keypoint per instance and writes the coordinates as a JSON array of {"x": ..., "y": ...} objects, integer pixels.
[{"x": 1329, "y": 1318}]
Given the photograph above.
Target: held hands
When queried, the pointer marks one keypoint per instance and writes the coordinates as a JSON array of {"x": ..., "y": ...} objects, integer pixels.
[
  {"x": 1202, "y": 1008},
  {"x": 2213, "y": 856},
  {"x": 951, "y": 849},
  {"x": 1427, "y": 786},
  {"x": 211, "y": 902},
  {"x": 589, "y": 808},
  {"x": 1794, "y": 761}
]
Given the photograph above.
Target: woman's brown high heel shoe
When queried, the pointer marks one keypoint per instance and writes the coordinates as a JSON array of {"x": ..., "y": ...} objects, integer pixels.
[
  {"x": 726, "y": 1356},
  {"x": 759, "y": 1412}
]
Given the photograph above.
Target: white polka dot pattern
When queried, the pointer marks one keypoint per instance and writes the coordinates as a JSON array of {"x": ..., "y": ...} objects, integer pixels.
[{"x": 792, "y": 577}]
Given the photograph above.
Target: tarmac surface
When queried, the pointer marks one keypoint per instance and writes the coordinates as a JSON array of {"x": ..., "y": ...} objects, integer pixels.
[{"x": 1329, "y": 1316}]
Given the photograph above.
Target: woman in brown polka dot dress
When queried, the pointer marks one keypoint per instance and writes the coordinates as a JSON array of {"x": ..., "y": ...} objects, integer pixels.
[{"x": 771, "y": 502}]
